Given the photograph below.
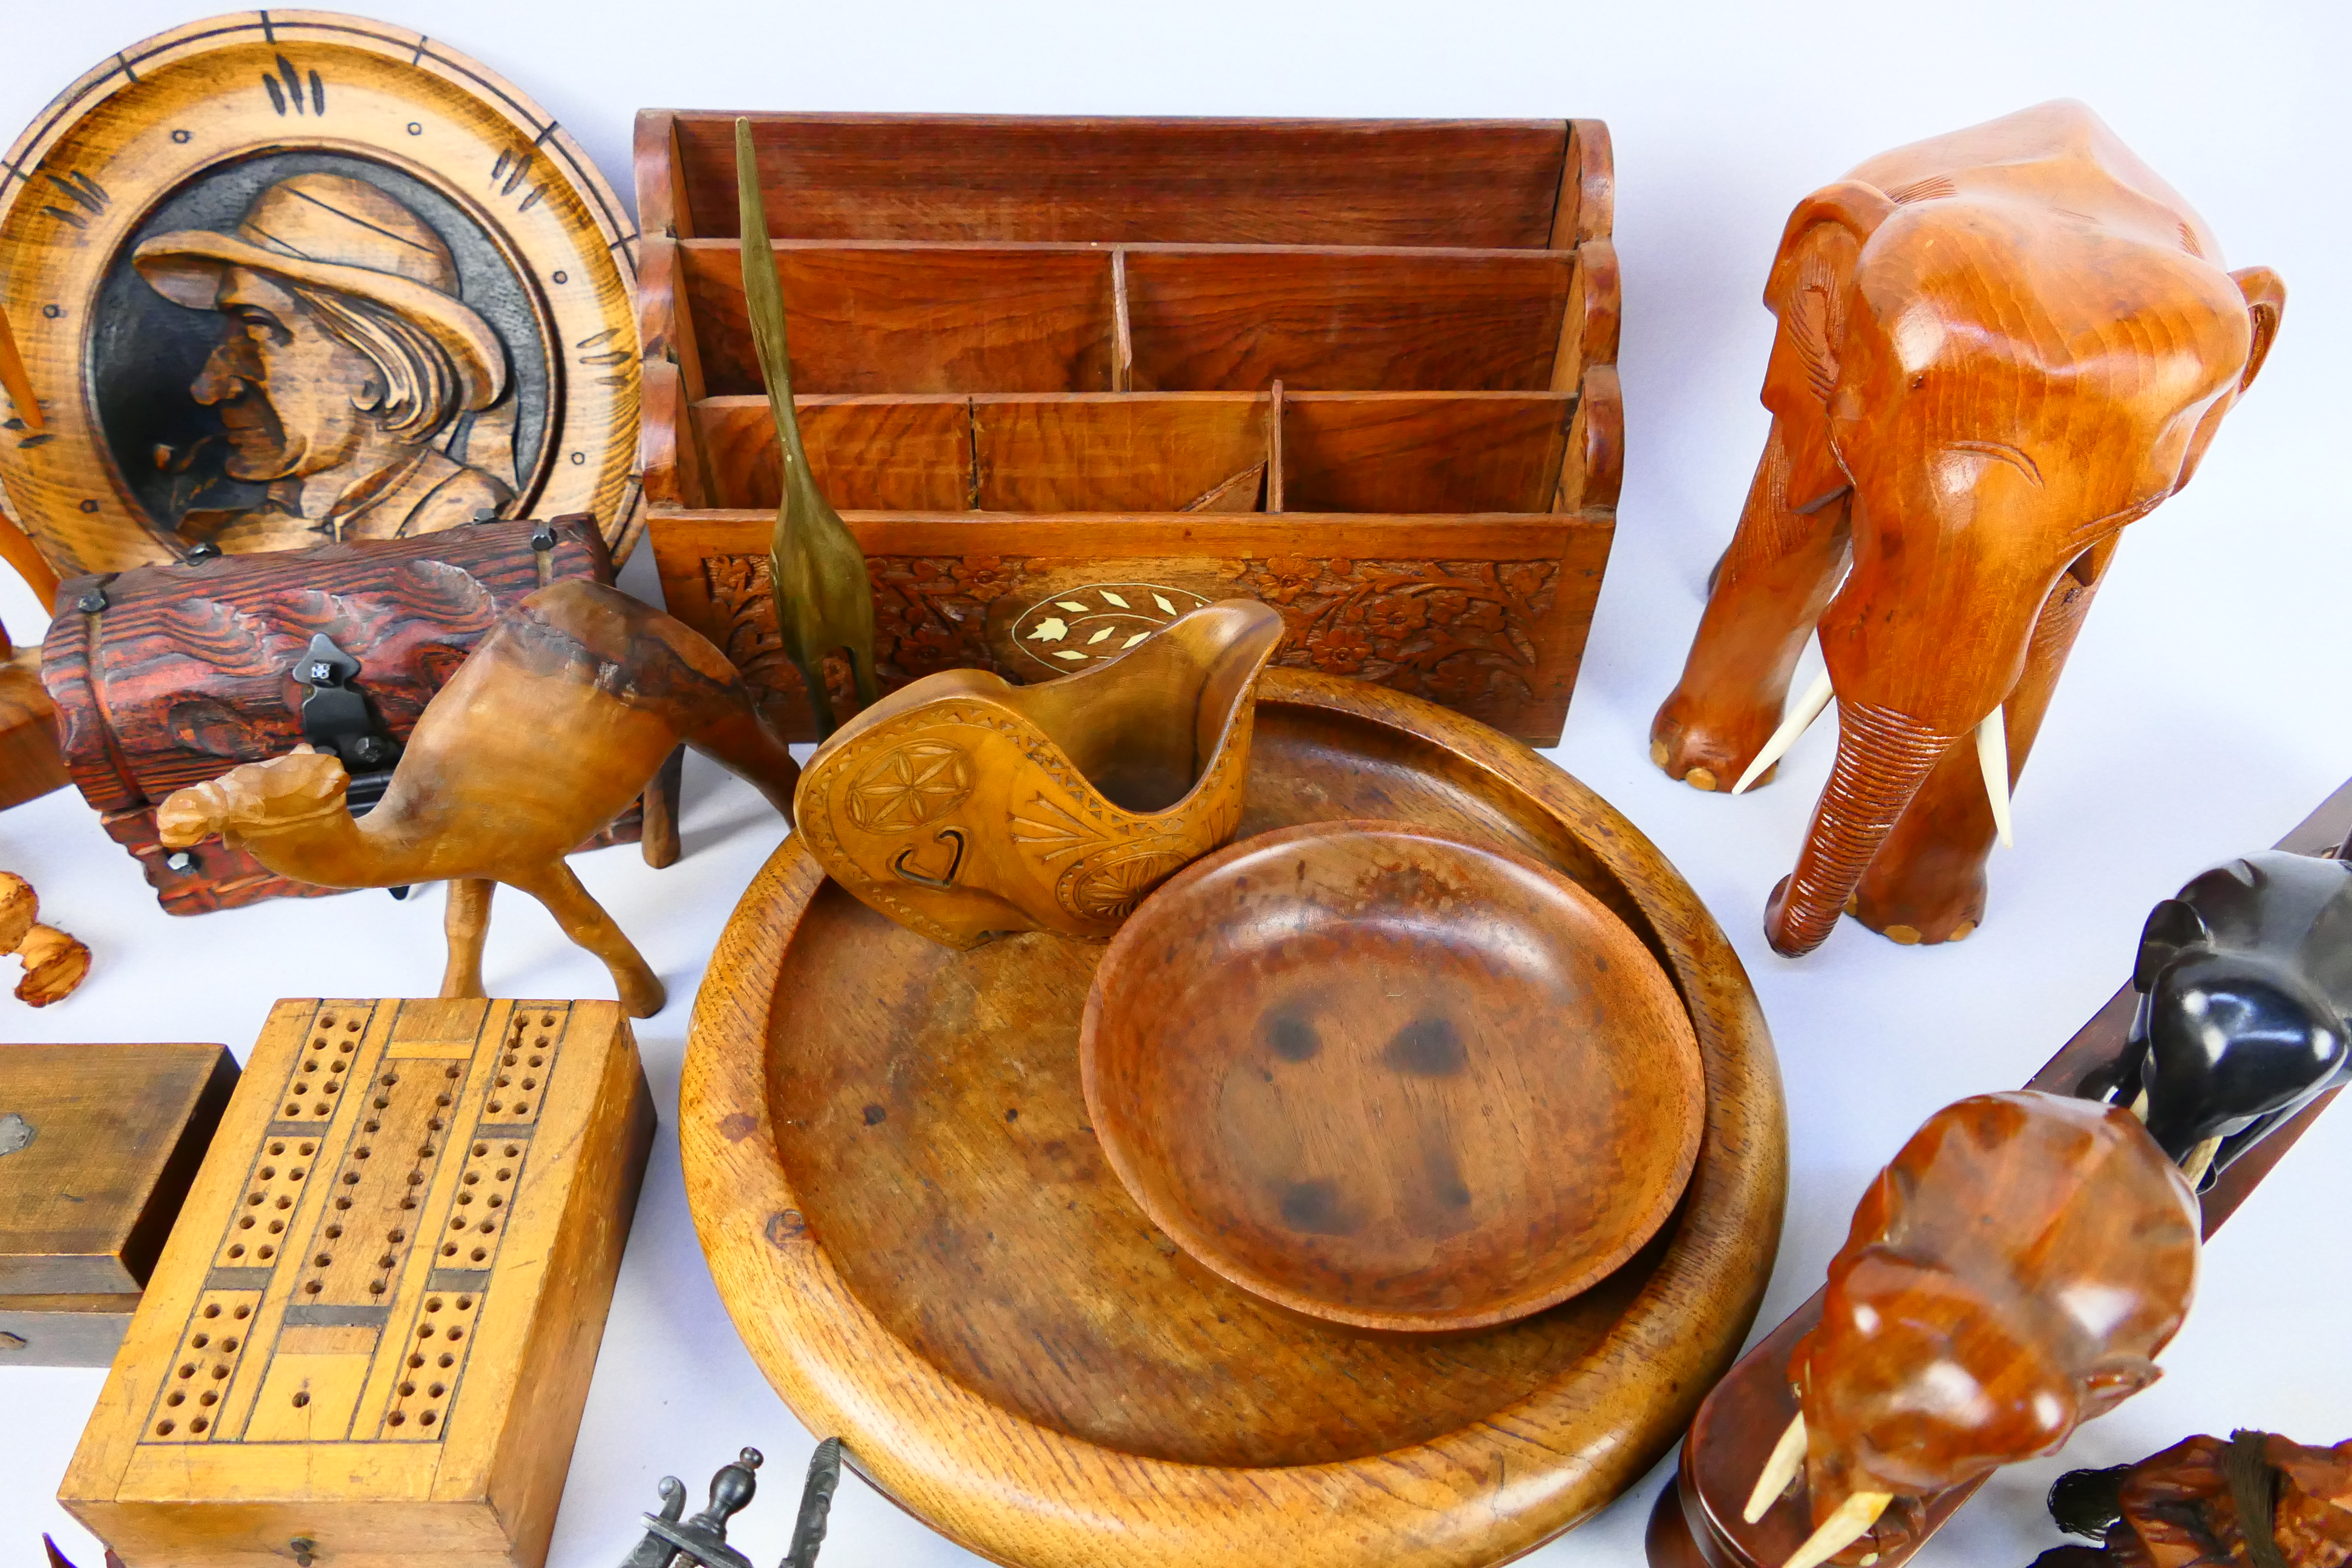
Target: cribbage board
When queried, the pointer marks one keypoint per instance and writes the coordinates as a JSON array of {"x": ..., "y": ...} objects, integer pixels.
[{"x": 373, "y": 1326}]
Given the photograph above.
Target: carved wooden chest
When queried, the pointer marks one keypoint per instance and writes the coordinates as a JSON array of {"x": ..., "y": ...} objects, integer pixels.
[
  {"x": 370, "y": 1337},
  {"x": 1070, "y": 378},
  {"x": 169, "y": 676},
  {"x": 98, "y": 1147}
]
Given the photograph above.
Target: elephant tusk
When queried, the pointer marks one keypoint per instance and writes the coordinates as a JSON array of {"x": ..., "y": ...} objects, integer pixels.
[
  {"x": 2200, "y": 1159},
  {"x": 1788, "y": 1456},
  {"x": 1801, "y": 719},
  {"x": 1849, "y": 1524},
  {"x": 1993, "y": 761}
]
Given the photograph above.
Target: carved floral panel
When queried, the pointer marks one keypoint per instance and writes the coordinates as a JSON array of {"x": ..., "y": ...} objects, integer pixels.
[{"x": 1462, "y": 633}]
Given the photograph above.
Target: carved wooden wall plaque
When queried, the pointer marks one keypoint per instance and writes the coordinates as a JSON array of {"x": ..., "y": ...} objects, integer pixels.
[
  {"x": 283, "y": 277},
  {"x": 373, "y": 1327}
]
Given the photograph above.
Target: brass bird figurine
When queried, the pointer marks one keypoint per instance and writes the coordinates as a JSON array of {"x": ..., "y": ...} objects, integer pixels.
[{"x": 816, "y": 573}]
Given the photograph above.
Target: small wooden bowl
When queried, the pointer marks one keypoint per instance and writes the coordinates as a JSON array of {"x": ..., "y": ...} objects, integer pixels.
[{"x": 1389, "y": 1079}]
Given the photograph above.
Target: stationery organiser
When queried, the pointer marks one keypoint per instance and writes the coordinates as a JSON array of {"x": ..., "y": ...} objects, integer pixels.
[{"x": 1067, "y": 379}]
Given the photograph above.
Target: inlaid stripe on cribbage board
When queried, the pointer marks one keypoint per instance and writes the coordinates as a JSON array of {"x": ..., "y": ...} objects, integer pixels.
[
  {"x": 422, "y": 1140},
  {"x": 417, "y": 1377},
  {"x": 210, "y": 1377}
]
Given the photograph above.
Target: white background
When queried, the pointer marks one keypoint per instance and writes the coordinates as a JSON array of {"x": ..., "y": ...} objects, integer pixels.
[{"x": 2204, "y": 712}]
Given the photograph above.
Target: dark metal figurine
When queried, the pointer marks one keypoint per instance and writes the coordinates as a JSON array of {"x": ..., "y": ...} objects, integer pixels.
[
  {"x": 673, "y": 1542},
  {"x": 2245, "y": 1006}
]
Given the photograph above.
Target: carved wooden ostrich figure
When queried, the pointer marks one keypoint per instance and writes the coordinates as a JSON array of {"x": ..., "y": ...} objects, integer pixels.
[{"x": 546, "y": 733}]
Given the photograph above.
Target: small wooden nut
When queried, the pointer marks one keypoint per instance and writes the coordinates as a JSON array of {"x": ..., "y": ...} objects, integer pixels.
[
  {"x": 19, "y": 908},
  {"x": 54, "y": 963}
]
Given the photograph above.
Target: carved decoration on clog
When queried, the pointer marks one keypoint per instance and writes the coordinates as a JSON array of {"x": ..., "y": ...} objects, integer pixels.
[{"x": 965, "y": 807}]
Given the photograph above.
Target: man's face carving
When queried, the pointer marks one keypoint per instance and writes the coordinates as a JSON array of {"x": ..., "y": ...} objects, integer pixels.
[{"x": 286, "y": 387}]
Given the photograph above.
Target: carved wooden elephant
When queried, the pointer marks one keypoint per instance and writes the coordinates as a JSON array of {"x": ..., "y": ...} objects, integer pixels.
[
  {"x": 1996, "y": 348},
  {"x": 2011, "y": 1275}
]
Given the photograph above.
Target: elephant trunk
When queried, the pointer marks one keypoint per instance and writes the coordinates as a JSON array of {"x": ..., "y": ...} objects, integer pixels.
[{"x": 1883, "y": 758}]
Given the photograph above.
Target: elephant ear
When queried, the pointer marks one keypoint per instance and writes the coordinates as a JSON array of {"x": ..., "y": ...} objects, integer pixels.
[
  {"x": 1811, "y": 298},
  {"x": 1816, "y": 320},
  {"x": 2172, "y": 926},
  {"x": 2265, "y": 294}
]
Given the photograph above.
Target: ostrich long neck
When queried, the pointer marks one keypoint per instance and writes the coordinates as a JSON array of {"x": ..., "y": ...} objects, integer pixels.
[{"x": 333, "y": 850}]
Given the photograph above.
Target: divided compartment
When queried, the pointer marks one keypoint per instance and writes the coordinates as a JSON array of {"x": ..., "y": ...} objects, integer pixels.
[
  {"x": 1345, "y": 320},
  {"x": 1217, "y": 181},
  {"x": 1433, "y": 453},
  {"x": 900, "y": 318},
  {"x": 904, "y": 319},
  {"x": 1002, "y": 329}
]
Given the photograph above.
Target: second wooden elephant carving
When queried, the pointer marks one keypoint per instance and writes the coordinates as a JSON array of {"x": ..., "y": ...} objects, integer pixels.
[
  {"x": 2012, "y": 1274},
  {"x": 1996, "y": 348}
]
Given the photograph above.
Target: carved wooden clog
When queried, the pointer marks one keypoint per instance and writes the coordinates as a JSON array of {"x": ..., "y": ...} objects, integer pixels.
[{"x": 965, "y": 807}]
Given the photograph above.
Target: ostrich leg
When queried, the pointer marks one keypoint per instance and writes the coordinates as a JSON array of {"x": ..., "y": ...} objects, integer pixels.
[
  {"x": 466, "y": 923},
  {"x": 583, "y": 919}
]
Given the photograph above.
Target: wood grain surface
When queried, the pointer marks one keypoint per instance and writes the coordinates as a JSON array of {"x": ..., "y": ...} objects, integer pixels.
[
  {"x": 109, "y": 1138},
  {"x": 1388, "y": 1079},
  {"x": 1978, "y": 504},
  {"x": 1140, "y": 452},
  {"x": 1206, "y": 320},
  {"x": 1256, "y": 182},
  {"x": 326, "y": 97},
  {"x": 1046, "y": 270},
  {"x": 179, "y": 672},
  {"x": 1422, "y": 452},
  {"x": 965, "y": 808},
  {"x": 176, "y": 673},
  {"x": 1483, "y": 612},
  {"x": 899, "y": 319},
  {"x": 1436, "y": 452},
  {"x": 896, "y": 453},
  {"x": 30, "y": 766},
  {"x": 375, "y": 1327},
  {"x": 891, "y": 1170}
]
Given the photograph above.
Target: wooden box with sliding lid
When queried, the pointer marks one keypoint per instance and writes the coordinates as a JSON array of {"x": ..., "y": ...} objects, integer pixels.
[
  {"x": 370, "y": 1337},
  {"x": 1070, "y": 378},
  {"x": 98, "y": 1147}
]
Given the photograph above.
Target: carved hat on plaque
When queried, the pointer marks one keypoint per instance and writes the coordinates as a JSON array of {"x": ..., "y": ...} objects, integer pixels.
[{"x": 286, "y": 277}]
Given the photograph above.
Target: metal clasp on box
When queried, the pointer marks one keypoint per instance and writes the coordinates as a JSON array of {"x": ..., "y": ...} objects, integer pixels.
[{"x": 337, "y": 717}]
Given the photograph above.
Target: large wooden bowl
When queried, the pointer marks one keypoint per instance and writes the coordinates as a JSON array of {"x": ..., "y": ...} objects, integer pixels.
[
  {"x": 908, "y": 1214},
  {"x": 1387, "y": 1079}
]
